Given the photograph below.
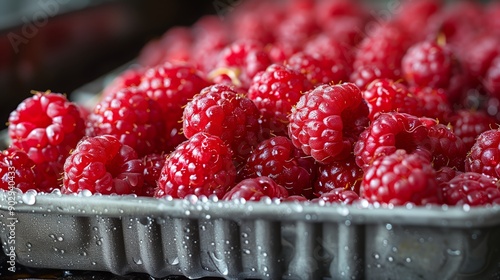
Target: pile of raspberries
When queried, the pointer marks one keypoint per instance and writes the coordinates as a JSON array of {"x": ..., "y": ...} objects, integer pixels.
[{"x": 300, "y": 100}]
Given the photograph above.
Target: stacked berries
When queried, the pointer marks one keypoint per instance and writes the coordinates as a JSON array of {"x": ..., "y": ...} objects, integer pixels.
[{"x": 291, "y": 100}]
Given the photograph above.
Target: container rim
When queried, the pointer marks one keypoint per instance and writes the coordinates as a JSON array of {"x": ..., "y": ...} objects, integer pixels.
[{"x": 207, "y": 208}]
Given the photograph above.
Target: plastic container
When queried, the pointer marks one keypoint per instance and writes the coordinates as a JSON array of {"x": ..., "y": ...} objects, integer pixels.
[{"x": 253, "y": 240}]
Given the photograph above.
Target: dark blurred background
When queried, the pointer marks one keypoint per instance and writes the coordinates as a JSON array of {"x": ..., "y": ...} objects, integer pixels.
[{"x": 60, "y": 45}]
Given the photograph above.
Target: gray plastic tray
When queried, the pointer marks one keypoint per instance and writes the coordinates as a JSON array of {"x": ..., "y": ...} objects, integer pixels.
[{"x": 257, "y": 240}]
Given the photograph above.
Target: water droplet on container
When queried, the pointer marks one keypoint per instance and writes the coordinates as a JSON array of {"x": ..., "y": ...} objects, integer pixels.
[
  {"x": 85, "y": 193},
  {"x": 94, "y": 263},
  {"x": 187, "y": 212},
  {"x": 452, "y": 252},
  {"x": 408, "y": 260},
  {"x": 388, "y": 226},
  {"x": 60, "y": 239},
  {"x": 390, "y": 259},
  {"x": 376, "y": 256},
  {"x": 98, "y": 242},
  {"x": 246, "y": 251},
  {"x": 29, "y": 197},
  {"x": 466, "y": 207},
  {"x": 347, "y": 222},
  {"x": 29, "y": 245},
  {"x": 137, "y": 261},
  {"x": 208, "y": 217}
]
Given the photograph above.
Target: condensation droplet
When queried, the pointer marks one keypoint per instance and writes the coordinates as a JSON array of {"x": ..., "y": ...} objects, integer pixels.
[
  {"x": 29, "y": 197},
  {"x": 408, "y": 260}
]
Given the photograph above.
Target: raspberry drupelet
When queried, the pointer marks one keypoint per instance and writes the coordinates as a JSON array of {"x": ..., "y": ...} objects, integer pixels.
[{"x": 484, "y": 156}]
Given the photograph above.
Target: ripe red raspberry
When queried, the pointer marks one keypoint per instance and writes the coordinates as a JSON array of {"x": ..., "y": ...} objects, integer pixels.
[
  {"x": 401, "y": 178},
  {"x": 346, "y": 29},
  {"x": 413, "y": 16},
  {"x": 201, "y": 165},
  {"x": 362, "y": 76},
  {"x": 243, "y": 59},
  {"x": 47, "y": 127},
  {"x": 492, "y": 78},
  {"x": 319, "y": 69},
  {"x": 480, "y": 53},
  {"x": 219, "y": 110},
  {"x": 327, "y": 121},
  {"x": 210, "y": 37},
  {"x": 287, "y": 165},
  {"x": 255, "y": 189},
  {"x": 385, "y": 46},
  {"x": 472, "y": 188},
  {"x": 17, "y": 170},
  {"x": 133, "y": 118},
  {"x": 103, "y": 165},
  {"x": 447, "y": 149},
  {"x": 172, "y": 86},
  {"x": 128, "y": 78},
  {"x": 429, "y": 64},
  {"x": 153, "y": 164},
  {"x": 388, "y": 133},
  {"x": 338, "y": 195},
  {"x": 343, "y": 174},
  {"x": 468, "y": 124},
  {"x": 445, "y": 174},
  {"x": 327, "y": 9},
  {"x": 484, "y": 156},
  {"x": 275, "y": 91},
  {"x": 385, "y": 95},
  {"x": 434, "y": 103},
  {"x": 296, "y": 28},
  {"x": 330, "y": 47}
]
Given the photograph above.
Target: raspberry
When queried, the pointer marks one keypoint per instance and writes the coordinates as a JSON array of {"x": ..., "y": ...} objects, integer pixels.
[
  {"x": 133, "y": 118},
  {"x": 275, "y": 91},
  {"x": 346, "y": 29},
  {"x": 344, "y": 174},
  {"x": 327, "y": 121},
  {"x": 385, "y": 45},
  {"x": 279, "y": 160},
  {"x": 296, "y": 29},
  {"x": 201, "y": 165},
  {"x": 172, "y": 86},
  {"x": 103, "y": 165},
  {"x": 243, "y": 59},
  {"x": 338, "y": 195},
  {"x": 400, "y": 178},
  {"x": 318, "y": 68},
  {"x": 469, "y": 124},
  {"x": 219, "y": 110},
  {"x": 17, "y": 170},
  {"x": 255, "y": 189},
  {"x": 471, "y": 188},
  {"x": 428, "y": 64},
  {"x": 128, "y": 78},
  {"x": 153, "y": 164},
  {"x": 47, "y": 127},
  {"x": 413, "y": 16},
  {"x": 326, "y": 10},
  {"x": 210, "y": 37},
  {"x": 447, "y": 149},
  {"x": 484, "y": 156},
  {"x": 434, "y": 103},
  {"x": 445, "y": 174},
  {"x": 365, "y": 74},
  {"x": 329, "y": 47},
  {"x": 385, "y": 95},
  {"x": 492, "y": 78},
  {"x": 390, "y": 132},
  {"x": 480, "y": 53}
]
